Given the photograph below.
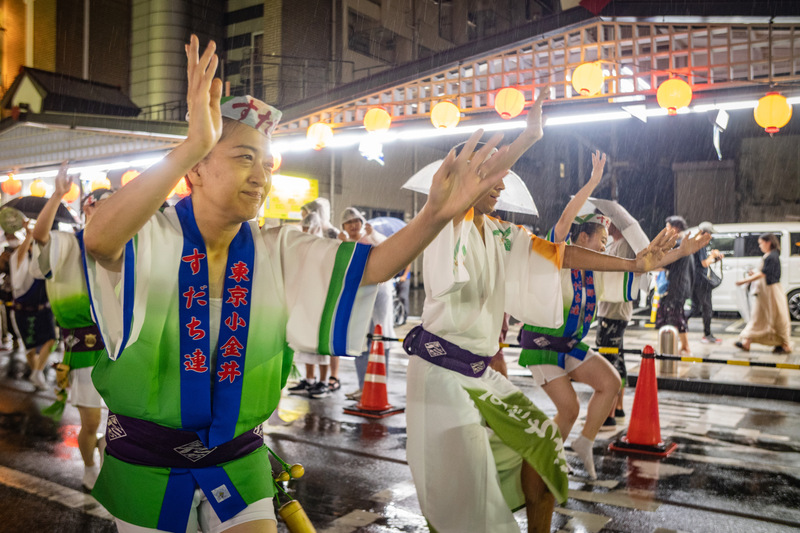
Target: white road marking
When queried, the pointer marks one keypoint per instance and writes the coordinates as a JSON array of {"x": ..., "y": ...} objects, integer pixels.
[
  {"x": 351, "y": 521},
  {"x": 395, "y": 493},
  {"x": 582, "y": 521},
  {"x": 53, "y": 492},
  {"x": 621, "y": 498}
]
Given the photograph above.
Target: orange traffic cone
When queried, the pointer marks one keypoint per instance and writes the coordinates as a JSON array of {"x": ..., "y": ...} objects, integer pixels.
[
  {"x": 374, "y": 399},
  {"x": 644, "y": 429}
]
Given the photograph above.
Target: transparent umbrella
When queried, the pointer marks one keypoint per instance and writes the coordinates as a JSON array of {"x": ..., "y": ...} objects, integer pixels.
[{"x": 515, "y": 197}]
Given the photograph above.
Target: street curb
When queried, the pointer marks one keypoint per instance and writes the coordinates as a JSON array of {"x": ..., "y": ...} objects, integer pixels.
[{"x": 728, "y": 389}]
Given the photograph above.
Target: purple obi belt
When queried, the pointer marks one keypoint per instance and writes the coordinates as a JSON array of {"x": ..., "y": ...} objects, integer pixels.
[
  {"x": 440, "y": 352},
  {"x": 140, "y": 442},
  {"x": 86, "y": 339},
  {"x": 533, "y": 340}
]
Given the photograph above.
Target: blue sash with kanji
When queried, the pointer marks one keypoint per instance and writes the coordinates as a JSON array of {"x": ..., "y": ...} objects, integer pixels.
[
  {"x": 214, "y": 421},
  {"x": 573, "y": 317}
]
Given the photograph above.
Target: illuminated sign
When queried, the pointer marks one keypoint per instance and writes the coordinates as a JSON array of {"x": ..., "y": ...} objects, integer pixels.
[{"x": 288, "y": 195}]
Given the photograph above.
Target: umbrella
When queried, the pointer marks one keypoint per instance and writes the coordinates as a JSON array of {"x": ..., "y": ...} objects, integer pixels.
[
  {"x": 624, "y": 222},
  {"x": 515, "y": 197},
  {"x": 31, "y": 206},
  {"x": 386, "y": 226}
]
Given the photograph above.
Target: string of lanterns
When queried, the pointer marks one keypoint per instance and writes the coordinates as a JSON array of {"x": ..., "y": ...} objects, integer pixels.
[{"x": 772, "y": 112}]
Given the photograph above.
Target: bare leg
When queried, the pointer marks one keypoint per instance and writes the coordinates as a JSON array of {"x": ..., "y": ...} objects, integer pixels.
[
  {"x": 309, "y": 373},
  {"x": 684, "y": 338},
  {"x": 563, "y": 396},
  {"x": 539, "y": 502},
  {"x": 44, "y": 354},
  {"x": 335, "y": 367},
  {"x": 323, "y": 373},
  {"x": 87, "y": 437},
  {"x": 604, "y": 379}
]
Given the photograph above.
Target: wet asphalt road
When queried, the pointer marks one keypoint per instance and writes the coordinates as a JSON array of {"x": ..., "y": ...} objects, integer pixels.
[{"x": 737, "y": 467}]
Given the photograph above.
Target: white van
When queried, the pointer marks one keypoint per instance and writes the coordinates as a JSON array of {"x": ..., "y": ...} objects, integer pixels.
[{"x": 739, "y": 246}]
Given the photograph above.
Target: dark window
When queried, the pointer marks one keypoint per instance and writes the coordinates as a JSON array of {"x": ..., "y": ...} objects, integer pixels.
[
  {"x": 244, "y": 14},
  {"x": 795, "y": 243},
  {"x": 751, "y": 248},
  {"x": 366, "y": 36},
  {"x": 724, "y": 242},
  {"x": 446, "y": 20},
  {"x": 238, "y": 41}
]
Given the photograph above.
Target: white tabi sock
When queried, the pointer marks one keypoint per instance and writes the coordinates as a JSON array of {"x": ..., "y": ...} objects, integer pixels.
[{"x": 583, "y": 447}]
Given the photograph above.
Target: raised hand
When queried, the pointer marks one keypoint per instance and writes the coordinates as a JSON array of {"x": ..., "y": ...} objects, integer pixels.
[
  {"x": 598, "y": 164},
  {"x": 535, "y": 124},
  {"x": 203, "y": 94},
  {"x": 691, "y": 245},
  {"x": 462, "y": 180},
  {"x": 650, "y": 257},
  {"x": 63, "y": 182}
]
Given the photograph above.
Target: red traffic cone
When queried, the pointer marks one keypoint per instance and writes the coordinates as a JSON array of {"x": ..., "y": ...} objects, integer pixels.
[
  {"x": 644, "y": 430},
  {"x": 374, "y": 398}
]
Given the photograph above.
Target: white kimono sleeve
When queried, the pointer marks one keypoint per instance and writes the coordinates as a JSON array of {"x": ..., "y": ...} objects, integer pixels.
[
  {"x": 616, "y": 287},
  {"x": 533, "y": 278},
  {"x": 443, "y": 262},
  {"x": 120, "y": 299},
  {"x": 53, "y": 255},
  {"x": 329, "y": 310}
]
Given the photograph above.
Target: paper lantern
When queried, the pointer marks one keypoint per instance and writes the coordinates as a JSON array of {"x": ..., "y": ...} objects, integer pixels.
[
  {"x": 277, "y": 159},
  {"x": 377, "y": 119},
  {"x": 11, "y": 186},
  {"x": 509, "y": 102},
  {"x": 73, "y": 193},
  {"x": 129, "y": 176},
  {"x": 101, "y": 183},
  {"x": 588, "y": 79},
  {"x": 445, "y": 115},
  {"x": 319, "y": 135},
  {"x": 38, "y": 188},
  {"x": 674, "y": 94},
  {"x": 772, "y": 112},
  {"x": 181, "y": 189}
]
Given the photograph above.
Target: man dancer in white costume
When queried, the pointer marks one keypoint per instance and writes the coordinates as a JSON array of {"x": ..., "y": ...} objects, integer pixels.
[
  {"x": 477, "y": 447},
  {"x": 165, "y": 341}
]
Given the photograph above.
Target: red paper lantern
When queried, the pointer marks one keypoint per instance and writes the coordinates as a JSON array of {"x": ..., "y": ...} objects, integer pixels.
[
  {"x": 181, "y": 189},
  {"x": 129, "y": 176},
  {"x": 72, "y": 194},
  {"x": 509, "y": 102},
  {"x": 674, "y": 94},
  {"x": 11, "y": 186}
]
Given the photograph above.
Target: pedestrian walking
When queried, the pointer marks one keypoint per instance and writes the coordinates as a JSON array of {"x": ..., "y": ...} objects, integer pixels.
[
  {"x": 702, "y": 287},
  {"x": 769, "y": 321}
]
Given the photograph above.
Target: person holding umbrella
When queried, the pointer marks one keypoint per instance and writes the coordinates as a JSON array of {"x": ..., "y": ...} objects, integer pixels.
[
  {"x": 60, "y": 259},
  {"x": 197, "y": 303}
]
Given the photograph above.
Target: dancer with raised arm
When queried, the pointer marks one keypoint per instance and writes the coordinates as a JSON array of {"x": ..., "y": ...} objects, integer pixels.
[
  {"x": 476, "y": 444},
  {"x": 197, "y": 305}
]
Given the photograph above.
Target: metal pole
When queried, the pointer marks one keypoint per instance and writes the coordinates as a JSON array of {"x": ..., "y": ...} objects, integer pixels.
[{"x": 668, "y": 344}]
